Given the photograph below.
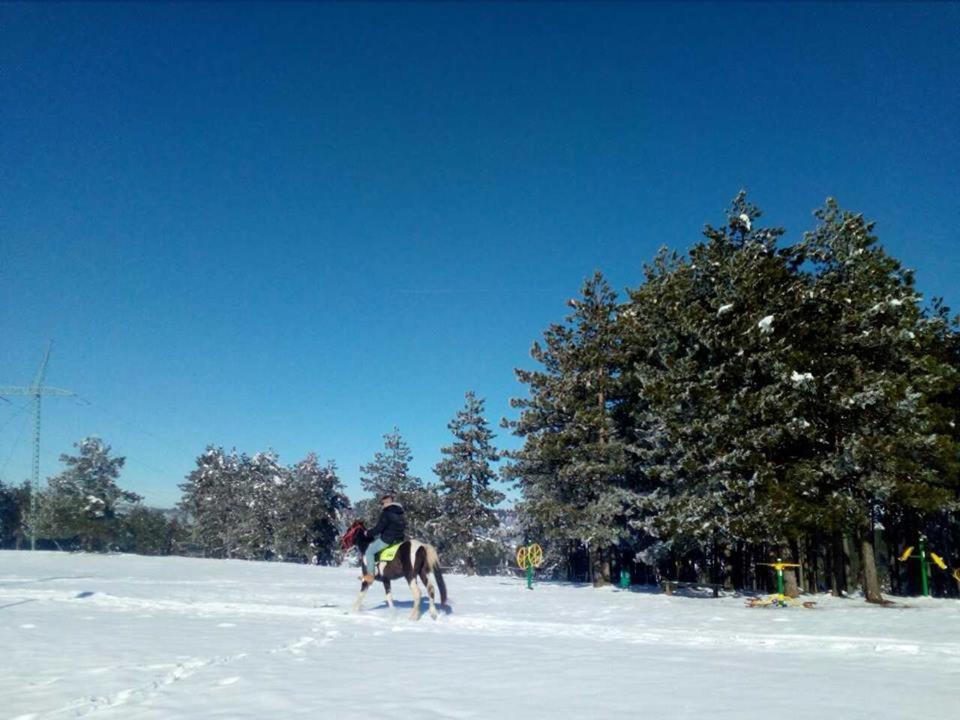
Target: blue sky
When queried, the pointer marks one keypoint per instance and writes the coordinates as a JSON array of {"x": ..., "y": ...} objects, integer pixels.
[{"x": 297, "y": 226}]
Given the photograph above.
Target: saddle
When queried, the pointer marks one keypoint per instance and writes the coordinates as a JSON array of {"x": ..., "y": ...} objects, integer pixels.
[{"x": 388, "y": 553}]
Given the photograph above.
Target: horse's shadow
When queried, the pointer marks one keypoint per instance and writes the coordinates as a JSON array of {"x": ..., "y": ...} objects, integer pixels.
[{"x": 408, "y": 605}]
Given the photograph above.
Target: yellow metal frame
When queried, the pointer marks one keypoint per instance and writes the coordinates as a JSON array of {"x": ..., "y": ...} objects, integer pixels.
[{"x": 529, "y": 555}]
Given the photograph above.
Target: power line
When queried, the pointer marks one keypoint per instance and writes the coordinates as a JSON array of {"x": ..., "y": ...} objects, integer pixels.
[
  {"x": 13, "y": 447},
  {"x": 13, "y": 417}
]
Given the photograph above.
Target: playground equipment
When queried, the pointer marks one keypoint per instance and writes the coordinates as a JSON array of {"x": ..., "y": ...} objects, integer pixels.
[
  {"x": 528, "y": 558},
  {"x": 778, "y": 599},
  {"x": 925, "y": 564}
]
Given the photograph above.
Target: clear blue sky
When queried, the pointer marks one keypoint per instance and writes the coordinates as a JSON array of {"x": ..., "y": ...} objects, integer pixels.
[{"x": 296, "y": 226}]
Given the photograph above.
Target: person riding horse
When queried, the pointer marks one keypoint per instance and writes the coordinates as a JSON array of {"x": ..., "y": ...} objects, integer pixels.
[{"x": 390, "y": 529}]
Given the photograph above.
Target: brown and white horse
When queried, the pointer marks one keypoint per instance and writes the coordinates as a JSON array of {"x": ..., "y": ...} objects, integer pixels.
[{"x": 413, "y": 560}]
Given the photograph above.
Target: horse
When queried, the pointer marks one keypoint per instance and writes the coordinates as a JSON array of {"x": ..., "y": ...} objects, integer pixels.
[{"x": 413, "y": 560}]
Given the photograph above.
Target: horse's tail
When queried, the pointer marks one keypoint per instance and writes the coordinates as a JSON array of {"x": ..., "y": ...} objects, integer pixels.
[{"x": 433, "y": 565}]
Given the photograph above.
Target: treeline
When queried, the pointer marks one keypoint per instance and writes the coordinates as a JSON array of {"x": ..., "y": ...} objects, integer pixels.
[
  {"x": 252, "y": 507},
  {"x": 83, "y": 508},
  {"x": 236, "y": 505},
  {"x": 750, "y": 400},
  {"x": 747, "y": 401}
]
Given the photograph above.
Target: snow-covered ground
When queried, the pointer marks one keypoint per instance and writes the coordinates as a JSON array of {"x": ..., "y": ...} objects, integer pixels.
[{"x": 133, "y": 637}]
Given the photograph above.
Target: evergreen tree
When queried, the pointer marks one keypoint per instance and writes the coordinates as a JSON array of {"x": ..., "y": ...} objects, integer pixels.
[
  {"x": 14, "y": 511},
  {"x": 146, "y": 531},
  {"x": 750, "y": 399},
  {"x": 262, "y": 485},
  {"x": 389, "y": 472},
  {"x": 253, "y": 507},
  {"x": 573, "y": 468},
  {"x": 885, "y": 413},
  {"x": 313, "y": 503},
  {"x": 465, "y": 475},
  {"x": 710, "y": 341},
  {"x": 84, "y": 502},
  {"x": 213, "y": 498}
]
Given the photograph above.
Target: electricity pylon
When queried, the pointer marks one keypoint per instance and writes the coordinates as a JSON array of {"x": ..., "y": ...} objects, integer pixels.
[{"x": 36, "y": 390}]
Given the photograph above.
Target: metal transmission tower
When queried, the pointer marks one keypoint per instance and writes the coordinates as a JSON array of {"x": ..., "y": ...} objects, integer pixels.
[{"x": 37, "y": 390}]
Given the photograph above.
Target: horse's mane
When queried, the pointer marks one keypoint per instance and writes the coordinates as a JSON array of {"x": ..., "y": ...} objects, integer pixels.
[{"x": 349, "y": 538}]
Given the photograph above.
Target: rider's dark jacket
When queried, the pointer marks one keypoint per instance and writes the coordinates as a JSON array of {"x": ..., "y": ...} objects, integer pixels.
[{"x": 391, "y": 526}]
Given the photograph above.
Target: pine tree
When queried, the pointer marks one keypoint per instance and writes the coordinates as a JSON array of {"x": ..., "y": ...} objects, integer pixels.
[
  {"x": 889, "y": 447},
  {"x": 712, "y": 364},
  {"x": 465, "y": 476},
  {"x": 14, "y": 511},
  {"x": 573, "y": 466},
  {"x": 389, "y": 472},
  {"x": 213, "y": 497},
  {"x": 84, "y": 501},
  {"x": 146, "y": 531},
  {"x": 312, "y": 506}
]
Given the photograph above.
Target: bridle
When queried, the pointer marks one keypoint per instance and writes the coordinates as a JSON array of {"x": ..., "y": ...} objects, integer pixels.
[{"x": 349, "y": 538}]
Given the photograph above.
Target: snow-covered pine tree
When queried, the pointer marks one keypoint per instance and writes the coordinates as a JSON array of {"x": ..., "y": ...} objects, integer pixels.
[
  {"x": 710, "y": 340},
  {"x": 312, "y": 503},
  {"x": 465, "y": 475},
  {"x": 389, "y": 471},
  {"x": 84, "y": 501},
  {"x": 263, "y": 481},
  {"x": 572, "y": 468},
  {"x": 888, "y": 443},
  {"x": 213, "y": 497},
  {"x": 253, "y": 507}
]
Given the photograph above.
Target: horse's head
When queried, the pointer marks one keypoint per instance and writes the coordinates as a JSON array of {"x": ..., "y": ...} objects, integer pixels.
[{"x": 356, "y": 533}]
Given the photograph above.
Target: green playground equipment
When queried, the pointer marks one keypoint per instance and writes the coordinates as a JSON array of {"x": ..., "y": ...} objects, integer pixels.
[{"x": 925, "y": 564}]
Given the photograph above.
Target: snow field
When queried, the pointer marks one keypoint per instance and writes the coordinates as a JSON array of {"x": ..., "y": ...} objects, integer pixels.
[{"x": 135, "y": 637}]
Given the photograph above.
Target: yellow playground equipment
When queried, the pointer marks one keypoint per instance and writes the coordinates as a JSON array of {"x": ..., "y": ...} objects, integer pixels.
[
  {"x": 778, "y": 599},
  {"x": 528, "y": 558}
]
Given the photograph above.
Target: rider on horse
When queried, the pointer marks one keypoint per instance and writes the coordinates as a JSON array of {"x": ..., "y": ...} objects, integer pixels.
[{"x": 390, "y": 529}]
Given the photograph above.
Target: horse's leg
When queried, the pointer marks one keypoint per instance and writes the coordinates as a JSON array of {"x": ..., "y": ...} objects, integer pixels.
[
  {"x": 407, "y": 556},
  {"x": 386, "y": 588},
  {"x": 363, "y": 591},
  {"x": 363, "y": 586},
  {"x": 415, "y": 591},
  {"x": 425, "y": 578}
]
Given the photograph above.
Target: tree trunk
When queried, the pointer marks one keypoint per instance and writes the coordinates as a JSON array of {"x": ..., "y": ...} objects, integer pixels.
[
  {"x": 596, "y": 563},
  {"x": 895, "y": 584},
  {"x": 797, "y": 547},
  {"x": 851, "y": 550},
  {"x": 812, "y": 559},
  {"x": 868, "y": 561},
  {"x": 727, "y": 561},
  {"x": 838, "y": 566},
  {"x": 601, "y": 568}
]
